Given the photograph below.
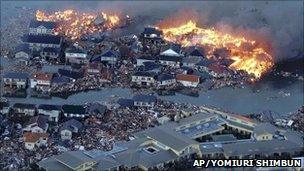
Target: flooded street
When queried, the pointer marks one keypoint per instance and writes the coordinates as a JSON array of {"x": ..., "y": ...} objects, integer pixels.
[{"x": 280, "y": 96}]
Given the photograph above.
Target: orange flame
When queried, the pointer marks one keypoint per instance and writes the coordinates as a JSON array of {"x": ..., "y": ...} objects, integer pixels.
[
  {"x": 73, "y": 24},
  {"x": 254, "y": 60}
]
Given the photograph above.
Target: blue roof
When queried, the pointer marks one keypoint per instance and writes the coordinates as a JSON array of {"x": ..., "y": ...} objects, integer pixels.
[
  {"x": 60, "y": 80},
  {"x": 44, "y": 39},
  {"x": 111, "y": 53},
  {"x": 163, "y": 77},
  {"x": 70, "y": 73},
  {"x": 16, "y": 75},
  {"x": 144, "y": 98},
  {"x": 125, "y": 102},
  {"x": 46, "y": 24}
]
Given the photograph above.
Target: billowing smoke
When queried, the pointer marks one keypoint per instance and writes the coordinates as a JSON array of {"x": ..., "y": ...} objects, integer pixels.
[{"x": 277, "y": 24}]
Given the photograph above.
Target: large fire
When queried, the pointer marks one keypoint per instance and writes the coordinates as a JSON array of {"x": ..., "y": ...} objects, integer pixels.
[
  {"x": 73, "y": 24},
  {"x": 246, "y": 54}
]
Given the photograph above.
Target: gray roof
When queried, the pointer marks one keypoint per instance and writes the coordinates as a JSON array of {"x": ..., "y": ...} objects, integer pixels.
[
  {"x": 106, "y": 163},
  {"x": 168, "y": 137},
  {"x": 133, "y": 158},
  {"x": 259, "y": 147},
  {"x": 263, "y": 128},
  {"x": 73, "y": 159},
  {"x": 51, "y": 164},
  {"x": 175, "y": 47},
  {"x": 191, "y": 60},
  {"x": 71, "y": 125}
]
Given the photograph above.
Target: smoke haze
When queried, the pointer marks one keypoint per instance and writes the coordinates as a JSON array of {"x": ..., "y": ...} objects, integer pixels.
[{"x": 277, "y": 24}]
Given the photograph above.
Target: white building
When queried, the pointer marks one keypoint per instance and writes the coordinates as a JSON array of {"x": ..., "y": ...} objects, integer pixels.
[
  {"x": 41, "y": 27},
  {"x": 143, "y": 78}
]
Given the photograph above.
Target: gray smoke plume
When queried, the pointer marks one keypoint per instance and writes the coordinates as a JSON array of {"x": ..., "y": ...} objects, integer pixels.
[{"x": 277, "y": 24}]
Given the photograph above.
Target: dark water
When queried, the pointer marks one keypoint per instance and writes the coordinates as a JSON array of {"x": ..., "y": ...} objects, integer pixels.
[{"x": 281, "y": 96}]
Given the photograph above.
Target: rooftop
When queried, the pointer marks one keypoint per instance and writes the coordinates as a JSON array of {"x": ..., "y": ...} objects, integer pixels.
[
  {"x": 185, "y": 77},
  {"x": 74, "y": 109},
  {"x": 16, "y": 75},
  {"x": 46, "y": 24},
  {"x": 44, "y": 39},
  {"x": 34, "y": 137}
]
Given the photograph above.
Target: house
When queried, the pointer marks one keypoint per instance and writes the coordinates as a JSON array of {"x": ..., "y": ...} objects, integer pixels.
[
  {"x": 69, "y": 128},
  {"x": 4, "y": 107},
  {"x": 191, "y": 61},
  {"x": 171, "y": 50},
  {"x": 173, "y": 61},
  {"x": 217, "y": 70},
  {"x": 37, "y": 124},
  {"x": 24, "y": 108},
  {"x": 42, "y": 27},
  {"x": 41, "y": 81},
  {"x": 152, "y": 67},
  {"x": 143, "y": 78},
  {"x": 110, "y": 57},
  {"x": 77, "y": 111},
  {"x": 50, "y": 53},
  {"x": 38, "y": 42},
  {"x": 75, "y": 55},
  {"x": 93, "y": 68},
  {"x": 60, "y": 80},
  {"x": 188, "y": 80},
  {"x": 165, "y": 80},
  {"x": 195, "y": 51},
  {"x": 143, "y": 100},
  {"x": 151, "y": 35},
  {"x": 264, "y": 131},
  {"x": 23, "y": 51},
  {"x": 203, "y": 65},
  {"x": 52, "y": 111},
  {"x": 73, "y": 75},
  {"x": 32, "y": 140},
  {"x": 15, "y": 80},
  {"x": 140, "y": 60}
]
